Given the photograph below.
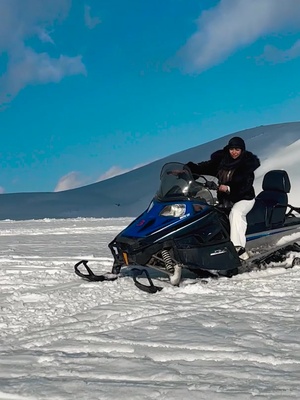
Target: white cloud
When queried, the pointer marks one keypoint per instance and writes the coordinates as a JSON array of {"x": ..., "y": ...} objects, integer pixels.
[
  {"x": 23, "y": 20},
  {"x": 113, "y": 171},
  {"x": 116, "y": 170},
  {"x": 274, "y": 55},
  {"x": 233, "y": 24},
  {"x": 71, "y": 180},
  {"x": 36, "y": 68},
  {"x": 90, "y": 21},
  {"x": 2, "y": 190},
  {"x": 75, "y": 179}
]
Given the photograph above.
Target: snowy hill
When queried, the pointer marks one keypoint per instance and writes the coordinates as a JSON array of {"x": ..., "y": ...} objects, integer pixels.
[{"x": 127, "y": 195}]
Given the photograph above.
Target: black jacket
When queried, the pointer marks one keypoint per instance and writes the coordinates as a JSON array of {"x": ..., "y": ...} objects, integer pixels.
[{"x": 241, "y": 182}]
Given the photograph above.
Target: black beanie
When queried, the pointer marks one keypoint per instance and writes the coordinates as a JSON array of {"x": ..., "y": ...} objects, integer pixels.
[{"x": 237, "y": 142}]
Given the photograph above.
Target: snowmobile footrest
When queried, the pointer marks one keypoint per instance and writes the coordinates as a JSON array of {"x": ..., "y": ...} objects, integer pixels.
[
  {"x": 90, "y": 276},
  {"x": 151, "y": 288}
]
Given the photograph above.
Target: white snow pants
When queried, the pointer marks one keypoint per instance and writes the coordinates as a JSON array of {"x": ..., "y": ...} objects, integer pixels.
[{"x": 238, "y": 221}]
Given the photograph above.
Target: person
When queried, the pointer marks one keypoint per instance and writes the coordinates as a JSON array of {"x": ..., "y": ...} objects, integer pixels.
[{"x": 234, "y": 167}]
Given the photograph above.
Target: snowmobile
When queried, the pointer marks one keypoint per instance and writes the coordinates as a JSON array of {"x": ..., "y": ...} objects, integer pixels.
[{"x": 185, "y": 229}]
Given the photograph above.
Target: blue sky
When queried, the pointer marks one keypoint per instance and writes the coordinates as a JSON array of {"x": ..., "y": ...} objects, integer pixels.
[{"x": 89, "y": 89}]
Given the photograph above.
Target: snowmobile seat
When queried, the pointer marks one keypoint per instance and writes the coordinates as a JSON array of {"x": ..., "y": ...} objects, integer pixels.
[{"x": 270, "y": 205}]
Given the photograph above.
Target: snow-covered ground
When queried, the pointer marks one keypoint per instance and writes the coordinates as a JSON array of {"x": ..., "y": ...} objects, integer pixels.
[{"x": 64, "y": 338}]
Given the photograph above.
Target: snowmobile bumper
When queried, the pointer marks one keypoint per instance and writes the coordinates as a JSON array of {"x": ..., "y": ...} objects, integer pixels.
[{"x": 187, "y": 251}]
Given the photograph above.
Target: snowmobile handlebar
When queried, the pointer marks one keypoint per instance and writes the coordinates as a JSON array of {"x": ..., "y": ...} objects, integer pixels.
[
  {"x": 211, "y": 185},
  {"x": 177, "y": 172}
]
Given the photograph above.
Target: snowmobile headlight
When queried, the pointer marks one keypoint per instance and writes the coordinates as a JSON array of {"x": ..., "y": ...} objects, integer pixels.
[{"x": 173, "y": 210}]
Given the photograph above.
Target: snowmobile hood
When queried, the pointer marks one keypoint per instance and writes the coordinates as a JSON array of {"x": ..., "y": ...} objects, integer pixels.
[
  {"x": 161, "y": 217},
  {"x": 179, "y": 201}
]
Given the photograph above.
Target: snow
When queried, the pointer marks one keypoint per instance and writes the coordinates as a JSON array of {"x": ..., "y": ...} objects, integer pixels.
[{"x": 64, "y": 338}]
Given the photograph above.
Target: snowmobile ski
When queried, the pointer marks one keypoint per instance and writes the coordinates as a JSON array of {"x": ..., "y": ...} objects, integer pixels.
[
  {"x": 151, "y": 288},
  {"x": 90, "y": 276}
]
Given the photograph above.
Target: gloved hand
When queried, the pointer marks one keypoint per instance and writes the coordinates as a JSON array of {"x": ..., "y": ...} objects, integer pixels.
[
  {"x": 190, "y": 164},
  {"x": 211, "y": 185},
  {"x": 224, "y": 188}
]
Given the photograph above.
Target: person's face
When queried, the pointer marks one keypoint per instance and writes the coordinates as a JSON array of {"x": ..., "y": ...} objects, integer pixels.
[{"x": 235, "y": 152}]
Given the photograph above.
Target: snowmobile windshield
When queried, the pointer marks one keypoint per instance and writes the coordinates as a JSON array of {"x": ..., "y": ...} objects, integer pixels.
[{"x": 177, "y": 183}]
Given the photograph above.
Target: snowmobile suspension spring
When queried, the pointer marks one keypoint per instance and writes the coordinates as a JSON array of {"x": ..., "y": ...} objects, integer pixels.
[{"x": 167, "y": 260}]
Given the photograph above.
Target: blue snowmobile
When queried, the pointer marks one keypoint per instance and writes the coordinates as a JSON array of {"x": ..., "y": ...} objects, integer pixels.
[{"x": 185, "y": 229}]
